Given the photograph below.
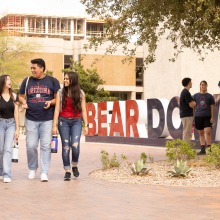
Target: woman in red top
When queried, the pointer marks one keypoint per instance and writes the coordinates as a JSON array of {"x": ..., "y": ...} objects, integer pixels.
[{"x": 69, "y": 112}]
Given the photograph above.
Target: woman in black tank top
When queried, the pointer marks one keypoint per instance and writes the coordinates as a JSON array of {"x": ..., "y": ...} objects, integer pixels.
[{"x": 9, "y": 129}]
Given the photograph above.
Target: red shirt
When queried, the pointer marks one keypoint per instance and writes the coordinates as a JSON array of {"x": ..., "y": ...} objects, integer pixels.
[{"x": 68, "y": 111}]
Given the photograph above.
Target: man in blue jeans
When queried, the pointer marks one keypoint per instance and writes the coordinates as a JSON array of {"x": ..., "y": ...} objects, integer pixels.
[{"x": 40, "y": 91}]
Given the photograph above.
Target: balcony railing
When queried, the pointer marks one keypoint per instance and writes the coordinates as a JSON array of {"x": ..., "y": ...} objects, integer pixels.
[{"x": 95, "y": 33}]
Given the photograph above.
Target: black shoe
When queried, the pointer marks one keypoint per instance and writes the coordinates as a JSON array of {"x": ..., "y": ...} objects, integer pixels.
[
  {"x": 75, "y": 171},
  {"x": 67, "y": 176},
  {"x": 201, "y": 153}
]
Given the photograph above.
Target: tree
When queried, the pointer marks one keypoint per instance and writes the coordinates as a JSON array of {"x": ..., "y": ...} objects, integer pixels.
[
  {"x": 91, "y": 83},
  {"x": 193, "y": 24},
  {"x": 49, "y": 72},
  {"x": 14, "y": 54}
]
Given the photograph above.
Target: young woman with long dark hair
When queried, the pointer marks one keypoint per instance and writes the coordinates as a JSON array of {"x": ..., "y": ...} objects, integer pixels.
[
  {"x": 9, "y": 129},
  {"x": 70, "y": 110},
  {"x": 204, "y": 116}
]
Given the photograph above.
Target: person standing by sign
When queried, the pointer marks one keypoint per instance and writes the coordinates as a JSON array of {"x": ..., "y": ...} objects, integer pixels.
[
  {"x": 9, "y": 129},
  {"x": 69, "y": 112},
  {"x": 40, "y": 102},
  {"x": 186, "y": 109},
  {"x": 204, "y": 116}
]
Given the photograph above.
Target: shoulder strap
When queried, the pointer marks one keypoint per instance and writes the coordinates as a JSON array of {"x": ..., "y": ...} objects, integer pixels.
[{"x": 26, "y": 85}]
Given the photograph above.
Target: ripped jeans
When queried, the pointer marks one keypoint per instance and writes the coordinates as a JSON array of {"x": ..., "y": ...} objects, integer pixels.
[{"x": 70, "y": 132}]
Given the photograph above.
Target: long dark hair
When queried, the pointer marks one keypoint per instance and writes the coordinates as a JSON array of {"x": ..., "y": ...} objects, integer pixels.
[
  {"x": 3, "y": 79},
  {"x": 74, "y": 91}
]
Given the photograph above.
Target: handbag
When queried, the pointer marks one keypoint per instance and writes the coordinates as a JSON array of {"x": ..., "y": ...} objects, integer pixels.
[{"x": 22, "y": 111}]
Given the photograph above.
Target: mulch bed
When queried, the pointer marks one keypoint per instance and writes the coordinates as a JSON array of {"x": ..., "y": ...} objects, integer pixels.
[{"x": 200, "y": 176}]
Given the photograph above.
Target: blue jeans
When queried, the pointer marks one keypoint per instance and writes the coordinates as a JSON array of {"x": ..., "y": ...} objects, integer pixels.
[
  {"x": 35, "y": 131},
  {"x": 70, "y": 132},
  {"x": 7, "y": 131}
]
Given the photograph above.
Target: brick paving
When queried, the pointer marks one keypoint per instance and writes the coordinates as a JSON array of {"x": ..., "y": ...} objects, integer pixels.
[{"x": 88, "y": 198}]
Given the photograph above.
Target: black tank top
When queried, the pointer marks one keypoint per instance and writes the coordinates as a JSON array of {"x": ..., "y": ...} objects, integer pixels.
[{"x": 6, "y": 108}]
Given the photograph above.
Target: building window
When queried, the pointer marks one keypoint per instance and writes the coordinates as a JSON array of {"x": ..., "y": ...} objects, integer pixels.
[
  {"x": 40, "y": 25},
  {"x": 138, "y": 95},
  {"x": 122, "y": 96},
  {"x": 139, "y": 71},
  {"x": 67, "y": 61},
  {"x": 94, "y": 29}
]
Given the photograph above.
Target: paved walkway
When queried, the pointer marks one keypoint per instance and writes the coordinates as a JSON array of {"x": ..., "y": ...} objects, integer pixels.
[{"x": 88, "y": 198}]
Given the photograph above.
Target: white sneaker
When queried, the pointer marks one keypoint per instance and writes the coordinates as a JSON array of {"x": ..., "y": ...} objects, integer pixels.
[
  {"x": 32, "y": 174},
  {"x": 7, "y": 180},
  {"x": 44, "y": 177},
  {"x": 1, "y": 177}
]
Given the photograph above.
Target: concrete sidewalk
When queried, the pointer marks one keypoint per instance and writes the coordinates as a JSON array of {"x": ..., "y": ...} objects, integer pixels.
[{"x": 88, "y": 198}]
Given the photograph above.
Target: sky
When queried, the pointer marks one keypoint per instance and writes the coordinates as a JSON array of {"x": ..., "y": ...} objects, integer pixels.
[{"x": 44, "y": 7}]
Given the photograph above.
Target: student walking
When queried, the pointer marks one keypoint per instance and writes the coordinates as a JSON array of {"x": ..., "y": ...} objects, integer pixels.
[
  {"x": 69, "y": 112},
  {"x": 9, "y": 129},
  {"x": 40, "y": 90},
  {"x": 204, "y": 116}
]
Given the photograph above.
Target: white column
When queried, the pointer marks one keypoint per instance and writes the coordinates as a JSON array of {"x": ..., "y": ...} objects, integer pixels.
[
  {"x": 133, "y": 95},
  {"x": 84, "y": 28},
  {"x": 145, "y": 82},
  {"x": 26, "y": 26},
  {"x": 46, "y": 27},
  {"x": 72, "y": 30}
]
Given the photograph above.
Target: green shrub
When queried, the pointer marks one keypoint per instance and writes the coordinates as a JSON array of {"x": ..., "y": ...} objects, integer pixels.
[
  {"x": 114, "y": 162},
  {"x": 146, "y": 158},
  {"x": 140, "y": 166},
  {"x": 179, "y": 149},
  {"x": 143, "y": 157},
  {"x": 180, "y": 169},
  {"x": 213, "y": 156},
  {"x": 108, "y": 162}
]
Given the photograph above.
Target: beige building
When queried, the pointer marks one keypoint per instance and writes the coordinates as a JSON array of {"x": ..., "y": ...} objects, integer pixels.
[{"x": 61, "y": 38}]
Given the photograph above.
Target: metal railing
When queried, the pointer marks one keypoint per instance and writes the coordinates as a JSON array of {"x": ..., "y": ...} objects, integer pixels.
[{"x": 95, "y": 33}]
